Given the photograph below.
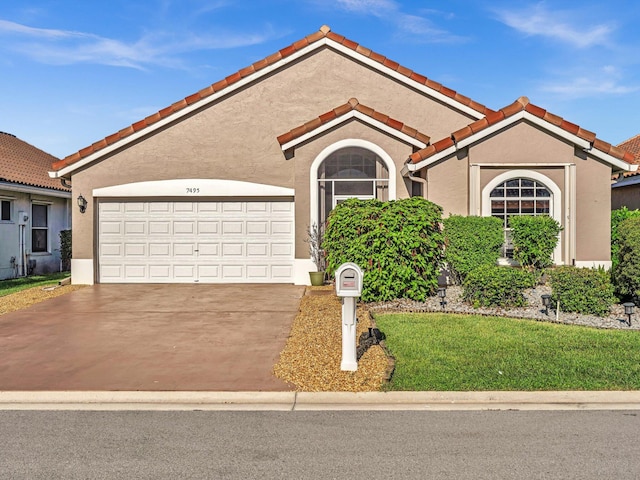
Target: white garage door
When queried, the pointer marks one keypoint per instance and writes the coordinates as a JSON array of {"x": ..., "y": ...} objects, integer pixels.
[{"x": 185, "y": 242}]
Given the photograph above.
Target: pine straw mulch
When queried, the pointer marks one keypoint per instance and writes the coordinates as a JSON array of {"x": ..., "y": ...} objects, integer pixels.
[
  {"x": 26, "y": 298},
  {"x": 312, "y": 355}
]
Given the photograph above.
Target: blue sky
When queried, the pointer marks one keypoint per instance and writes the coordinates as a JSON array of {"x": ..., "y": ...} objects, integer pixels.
[{"x": 74, "y": 72}]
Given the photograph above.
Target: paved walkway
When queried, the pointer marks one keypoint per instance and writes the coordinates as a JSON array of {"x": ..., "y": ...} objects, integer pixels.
[{"x": 150, "y": 337}]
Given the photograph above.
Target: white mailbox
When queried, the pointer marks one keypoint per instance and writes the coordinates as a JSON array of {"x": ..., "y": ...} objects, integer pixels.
[
  {"x": 349, "y": 280},
  {"x": 349, "y": 287}
]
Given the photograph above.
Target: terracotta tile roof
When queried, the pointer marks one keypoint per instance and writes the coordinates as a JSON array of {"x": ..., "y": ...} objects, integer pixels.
[
  {"x": 632, "y": 146},
  {"x": 351, "y": 105},
  {"x": 520, "y": 105},
  {"x": 324, "y": 32},
  {"x": 23, "y": 163}
]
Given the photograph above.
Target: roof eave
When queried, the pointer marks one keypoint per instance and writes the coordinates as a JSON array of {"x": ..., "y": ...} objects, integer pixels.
[{"x": 323, "y": 42}]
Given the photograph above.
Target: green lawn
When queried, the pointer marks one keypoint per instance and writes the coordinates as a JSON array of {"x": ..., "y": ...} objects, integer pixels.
[
  {"x": 462, "y": 353},
  {"x": 17, "y": 284}
]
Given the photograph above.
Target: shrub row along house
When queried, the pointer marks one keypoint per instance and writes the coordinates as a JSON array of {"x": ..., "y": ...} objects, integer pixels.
[
  {"x": 34, "y": 208},
  {"x": 222, "y": 185}
]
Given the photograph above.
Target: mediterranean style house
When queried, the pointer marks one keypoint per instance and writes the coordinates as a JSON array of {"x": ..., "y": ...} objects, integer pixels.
[
  {"x": 223, "y": 185},
  {"x": 34, "y": 208}
]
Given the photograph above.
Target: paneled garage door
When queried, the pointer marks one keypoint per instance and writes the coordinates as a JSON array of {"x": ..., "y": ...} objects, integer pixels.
[{"x": 185, "y": 242}]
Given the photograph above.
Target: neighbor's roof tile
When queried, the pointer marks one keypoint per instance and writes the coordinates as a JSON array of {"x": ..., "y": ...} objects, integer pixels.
[
  {"x": 25, "y": 164},
  {"x": 324, "y": 32}
]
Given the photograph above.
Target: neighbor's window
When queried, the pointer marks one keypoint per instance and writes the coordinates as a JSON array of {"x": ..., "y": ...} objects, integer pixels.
[
  {"x": 519, "y": 196},
  {"x": 39, "y": 228},
  {"x": 5, "y": 210},
  {"x": 352, "y": 172}
]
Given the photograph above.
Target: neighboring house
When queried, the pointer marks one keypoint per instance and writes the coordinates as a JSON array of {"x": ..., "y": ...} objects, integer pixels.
[
  {"x": 34, "y": 208},
  {"x": 625, "y": 188},
  {"x": 222, "y": 185}
]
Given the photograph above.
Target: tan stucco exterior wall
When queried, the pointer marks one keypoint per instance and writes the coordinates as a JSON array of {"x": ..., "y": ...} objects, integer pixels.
[
  {"x": 235, "y": 138},
  {"x": 625, "y": 197},
  {"x": 527, "y": 147}
]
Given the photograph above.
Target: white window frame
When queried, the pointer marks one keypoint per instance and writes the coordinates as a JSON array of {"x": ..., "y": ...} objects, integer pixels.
[
  {"x": 555, "y": 204},
  {"x": 47, "y": 228},
  {"x": 324, "y": 154},
  {"x": 11, "y": 218}
]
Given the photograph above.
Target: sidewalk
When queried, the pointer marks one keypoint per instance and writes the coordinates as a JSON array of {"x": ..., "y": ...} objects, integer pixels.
[{"x": 301, "y": 401}]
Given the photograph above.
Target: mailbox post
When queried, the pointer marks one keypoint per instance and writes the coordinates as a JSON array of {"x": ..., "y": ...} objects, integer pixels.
[{"x": 349, "y": 287}]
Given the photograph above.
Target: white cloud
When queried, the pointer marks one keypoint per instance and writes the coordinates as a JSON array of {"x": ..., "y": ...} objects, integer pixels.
[
  {"x": 65, "y": 47},
  {"x": 607, "y": 81},
  {"x": 419, "y": 28},
  {"x": 558, "y": 25}
]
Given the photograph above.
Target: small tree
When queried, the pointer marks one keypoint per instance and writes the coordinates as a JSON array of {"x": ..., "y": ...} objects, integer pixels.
[
  {"x": 617, "y": 216},
  {"x": 626, "y": 274},
  {"x": 534, "y": 238},
  {"x": 315, "y": 237}
]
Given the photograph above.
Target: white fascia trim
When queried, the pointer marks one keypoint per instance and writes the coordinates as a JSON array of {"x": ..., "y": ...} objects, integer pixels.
[
  {"x": 255, "y": 76},
  {"x": 35, "y": 190},
  {"x": 586, "y": 146},
  {"x": 363, "y": 118},
  {"x": 404, "y": 79},
  {"x": 195, "y": 187}
]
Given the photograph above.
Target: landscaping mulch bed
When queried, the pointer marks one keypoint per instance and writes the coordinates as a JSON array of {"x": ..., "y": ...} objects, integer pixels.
[
  {"x": 311, "y": 358},
  {"x": 25, "y": 298}
]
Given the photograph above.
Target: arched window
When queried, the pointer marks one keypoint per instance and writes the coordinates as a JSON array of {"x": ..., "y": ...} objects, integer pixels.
[
  {"x": 519, "y": 196},
  {"x": 350, "y": 172}
]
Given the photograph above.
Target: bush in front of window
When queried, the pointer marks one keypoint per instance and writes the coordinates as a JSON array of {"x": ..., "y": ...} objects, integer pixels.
[
  {"x": 471, "y": 242},
  {"x": 397, "y": 244},
  {"x": 496, "y": 286},
  {"x": 582, "y": 290},
  {"x": 626, "y": 273},
  {"x": 618, "y": 216},
  {"x": 534, "y": 238}
]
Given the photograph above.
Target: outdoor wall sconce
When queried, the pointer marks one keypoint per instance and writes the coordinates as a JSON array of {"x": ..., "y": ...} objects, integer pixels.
[
  {"x": 442, "y": 293},
  {"x": 628, "y": 310},
  {"x": 546, "y": 301},
  {"x": 82, "y": 204}
]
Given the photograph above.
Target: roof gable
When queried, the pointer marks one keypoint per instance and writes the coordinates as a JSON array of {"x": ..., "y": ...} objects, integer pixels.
[
  {"x": 632, "y": 146},
  {"x": 519, "y": 110},
  {"x": 320, "y": 39},
  {"x": 345, "y": 112},
  {"x": 25, "y": 164}
]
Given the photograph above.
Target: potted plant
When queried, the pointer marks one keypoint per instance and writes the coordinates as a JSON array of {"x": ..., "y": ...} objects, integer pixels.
[{"x": 315, "y": 235}]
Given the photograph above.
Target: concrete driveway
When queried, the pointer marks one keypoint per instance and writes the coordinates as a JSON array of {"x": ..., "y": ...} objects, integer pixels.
[{"x": 150, "y": 337}]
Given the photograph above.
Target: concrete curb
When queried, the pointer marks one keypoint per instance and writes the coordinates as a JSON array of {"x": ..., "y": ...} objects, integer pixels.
[{"x": 308, "y": 401}]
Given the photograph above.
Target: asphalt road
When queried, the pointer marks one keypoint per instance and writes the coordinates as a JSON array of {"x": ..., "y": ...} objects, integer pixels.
[{"x": 318, "y": 445}]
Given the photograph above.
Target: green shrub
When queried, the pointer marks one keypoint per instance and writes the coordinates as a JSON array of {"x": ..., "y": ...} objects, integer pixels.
[
  {"x": 534, "y": 238},
  {"x": 398, "y": 245},
  {"x": 618, "y": 216},
  {"x": 494, "y": 286},
  {"x": 626, "y": 274},
  {"x": 65, "y": 249},
  {"x": 471, "y": 242},
  {"x": 582, "y": 290}
]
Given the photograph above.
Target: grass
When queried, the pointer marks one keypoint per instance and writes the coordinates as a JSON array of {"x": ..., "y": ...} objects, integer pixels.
[
  {"x": 18, "y": 284},
  {"x": 445, "y": 352}
]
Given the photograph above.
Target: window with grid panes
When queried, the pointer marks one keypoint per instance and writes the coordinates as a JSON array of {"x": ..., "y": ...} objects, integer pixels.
[{"x": 518, "y": 196}]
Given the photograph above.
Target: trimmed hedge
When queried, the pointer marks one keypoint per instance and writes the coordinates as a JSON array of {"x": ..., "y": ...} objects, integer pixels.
[
  {"x": 496, "y": 286},
  {"x": 626, "y": 274},
  {"x": 534, "y": 238},
  {"x": 471, "y": 242},
  {"x": 618, "y": 216},
  {"x": 582, "y": 290},
  {"x": 398, "y": 244},
  {"x": 65, "y": 249}
]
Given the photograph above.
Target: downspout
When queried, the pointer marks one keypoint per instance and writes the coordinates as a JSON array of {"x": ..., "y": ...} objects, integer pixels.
[
  {"x": 64, "y": 182},
  {"x": 420, "y": 180}
]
